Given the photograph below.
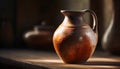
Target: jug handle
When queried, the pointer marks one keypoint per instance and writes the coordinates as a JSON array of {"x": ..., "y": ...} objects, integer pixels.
[{"x": 95, "y": 22}]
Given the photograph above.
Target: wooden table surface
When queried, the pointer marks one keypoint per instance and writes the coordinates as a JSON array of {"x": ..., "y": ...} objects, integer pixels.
[{"x": 34, "y": 59}]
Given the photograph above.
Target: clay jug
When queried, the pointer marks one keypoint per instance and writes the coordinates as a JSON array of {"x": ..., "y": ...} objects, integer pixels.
[
  {"x": 74, "y": 40},
  {"x": 111, "y": 38}
]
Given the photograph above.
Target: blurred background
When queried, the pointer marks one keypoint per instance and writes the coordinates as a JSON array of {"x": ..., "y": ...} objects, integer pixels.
[{"x": 31, "y": 23}]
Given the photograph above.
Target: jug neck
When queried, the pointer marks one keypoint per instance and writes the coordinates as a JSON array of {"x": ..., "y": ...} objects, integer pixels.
[
  {"x": 73, "y": 18},
  {"x": 72, "y": 13}
]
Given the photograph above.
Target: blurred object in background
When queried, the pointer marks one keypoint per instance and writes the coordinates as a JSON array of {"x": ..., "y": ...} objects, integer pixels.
[
  {"x": 111, "y": 39},
  {"x": 7, "y": 16},
  {"x": 103, "y": 10},
  {"x": 108, "y": 13},
  {"x": 40, "y": 37},
  {"x": 6, "y": 34}
]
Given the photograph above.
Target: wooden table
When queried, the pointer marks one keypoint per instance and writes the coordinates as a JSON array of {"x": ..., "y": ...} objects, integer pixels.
[{"x": 35, "y": 59}]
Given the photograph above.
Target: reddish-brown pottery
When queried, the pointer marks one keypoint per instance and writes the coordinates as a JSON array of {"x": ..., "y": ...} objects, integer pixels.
[{"x": 74, "y": 40}]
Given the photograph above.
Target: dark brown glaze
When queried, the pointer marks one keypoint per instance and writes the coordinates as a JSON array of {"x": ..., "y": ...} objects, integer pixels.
[{"x": 74, "y": 42}]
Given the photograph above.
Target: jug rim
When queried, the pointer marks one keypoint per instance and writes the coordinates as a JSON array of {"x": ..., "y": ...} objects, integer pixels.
[{"x": 73, "y": 10}]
